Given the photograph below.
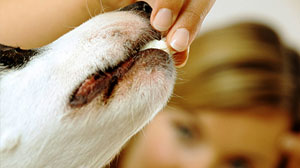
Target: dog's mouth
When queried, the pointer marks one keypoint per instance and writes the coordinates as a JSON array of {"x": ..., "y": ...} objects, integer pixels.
[{"x": 103, "y": 83}]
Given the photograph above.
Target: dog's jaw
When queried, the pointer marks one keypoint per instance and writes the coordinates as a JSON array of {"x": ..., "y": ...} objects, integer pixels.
[{"x": 39, "y": 128}]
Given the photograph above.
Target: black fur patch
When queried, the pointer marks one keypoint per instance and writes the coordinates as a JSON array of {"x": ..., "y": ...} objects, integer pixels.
[{"x": 11, "y": 57}]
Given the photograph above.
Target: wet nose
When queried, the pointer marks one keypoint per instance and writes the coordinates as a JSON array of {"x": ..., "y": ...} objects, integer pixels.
[{"x": 141, "y": 7}]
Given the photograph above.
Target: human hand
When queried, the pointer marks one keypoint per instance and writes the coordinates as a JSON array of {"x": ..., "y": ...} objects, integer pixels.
[{"x": 181, "y": 20}]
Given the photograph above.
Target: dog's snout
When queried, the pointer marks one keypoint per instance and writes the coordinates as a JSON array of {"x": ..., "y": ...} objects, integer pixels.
[{"x": 140, "y": 7}]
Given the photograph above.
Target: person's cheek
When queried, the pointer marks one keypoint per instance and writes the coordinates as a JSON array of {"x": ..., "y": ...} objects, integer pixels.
[{"x": 161, "y": 148}]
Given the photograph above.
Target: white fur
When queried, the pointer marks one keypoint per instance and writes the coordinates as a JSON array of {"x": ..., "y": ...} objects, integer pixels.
[{"x": 38, "y": 127}]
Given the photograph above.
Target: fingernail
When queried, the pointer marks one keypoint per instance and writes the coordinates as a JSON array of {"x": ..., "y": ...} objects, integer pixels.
[
  {"x": 180, "y": 39},
  {"x": 163, "y": 20},
  {"x": 181, "y": 58}
]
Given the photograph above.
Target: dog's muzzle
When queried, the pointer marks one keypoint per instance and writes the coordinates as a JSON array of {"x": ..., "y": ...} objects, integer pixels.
[{"x": 104, "y": 82}]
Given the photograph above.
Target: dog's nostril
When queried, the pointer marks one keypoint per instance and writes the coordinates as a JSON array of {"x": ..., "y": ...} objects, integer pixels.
[
  {"x": 139, "y": 6},
  {"x": 146, "y": 7}
]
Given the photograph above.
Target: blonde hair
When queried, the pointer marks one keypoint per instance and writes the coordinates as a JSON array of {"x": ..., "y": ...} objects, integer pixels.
[{"x": 240, "y": 66}]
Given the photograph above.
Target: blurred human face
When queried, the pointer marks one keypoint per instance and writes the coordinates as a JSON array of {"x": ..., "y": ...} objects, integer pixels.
[{"x": 209, "y": 139}]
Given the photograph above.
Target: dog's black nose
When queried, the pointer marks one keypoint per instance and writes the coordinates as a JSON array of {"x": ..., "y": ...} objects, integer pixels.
[{"x": 141, "y": 7}]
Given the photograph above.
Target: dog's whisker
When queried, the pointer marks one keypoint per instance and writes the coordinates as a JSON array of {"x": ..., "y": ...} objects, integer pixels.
[
  {"x": 88, "y": 8},
  {"x": 101, "y": 6}
]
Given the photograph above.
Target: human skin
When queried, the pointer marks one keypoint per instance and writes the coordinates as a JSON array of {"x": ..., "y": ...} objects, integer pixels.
[
  {"x": 34, "y": 23},
  {"x": 210, "y": 139}
]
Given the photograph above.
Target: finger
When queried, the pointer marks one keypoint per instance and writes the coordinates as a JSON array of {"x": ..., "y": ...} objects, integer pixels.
[
  {"x": 165, "y": 13},
  {"x": 180, "y": 58},
  {"x": 189, "y": 20}
]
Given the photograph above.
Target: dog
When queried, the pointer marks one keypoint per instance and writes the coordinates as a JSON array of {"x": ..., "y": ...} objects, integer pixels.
[{"x": 75, "y": 102}]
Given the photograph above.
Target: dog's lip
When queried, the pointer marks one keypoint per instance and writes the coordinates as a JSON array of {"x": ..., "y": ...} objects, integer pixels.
[
  {"x": 100, "y": 82},
  {"x": 104, "y": 82}
]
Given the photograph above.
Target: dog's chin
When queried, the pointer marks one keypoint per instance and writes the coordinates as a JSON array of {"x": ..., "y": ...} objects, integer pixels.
[{"x": 154, "y": 54}]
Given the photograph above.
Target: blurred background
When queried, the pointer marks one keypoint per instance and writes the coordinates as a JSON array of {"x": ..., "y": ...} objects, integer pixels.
[{"x": 281, "y": 15}]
